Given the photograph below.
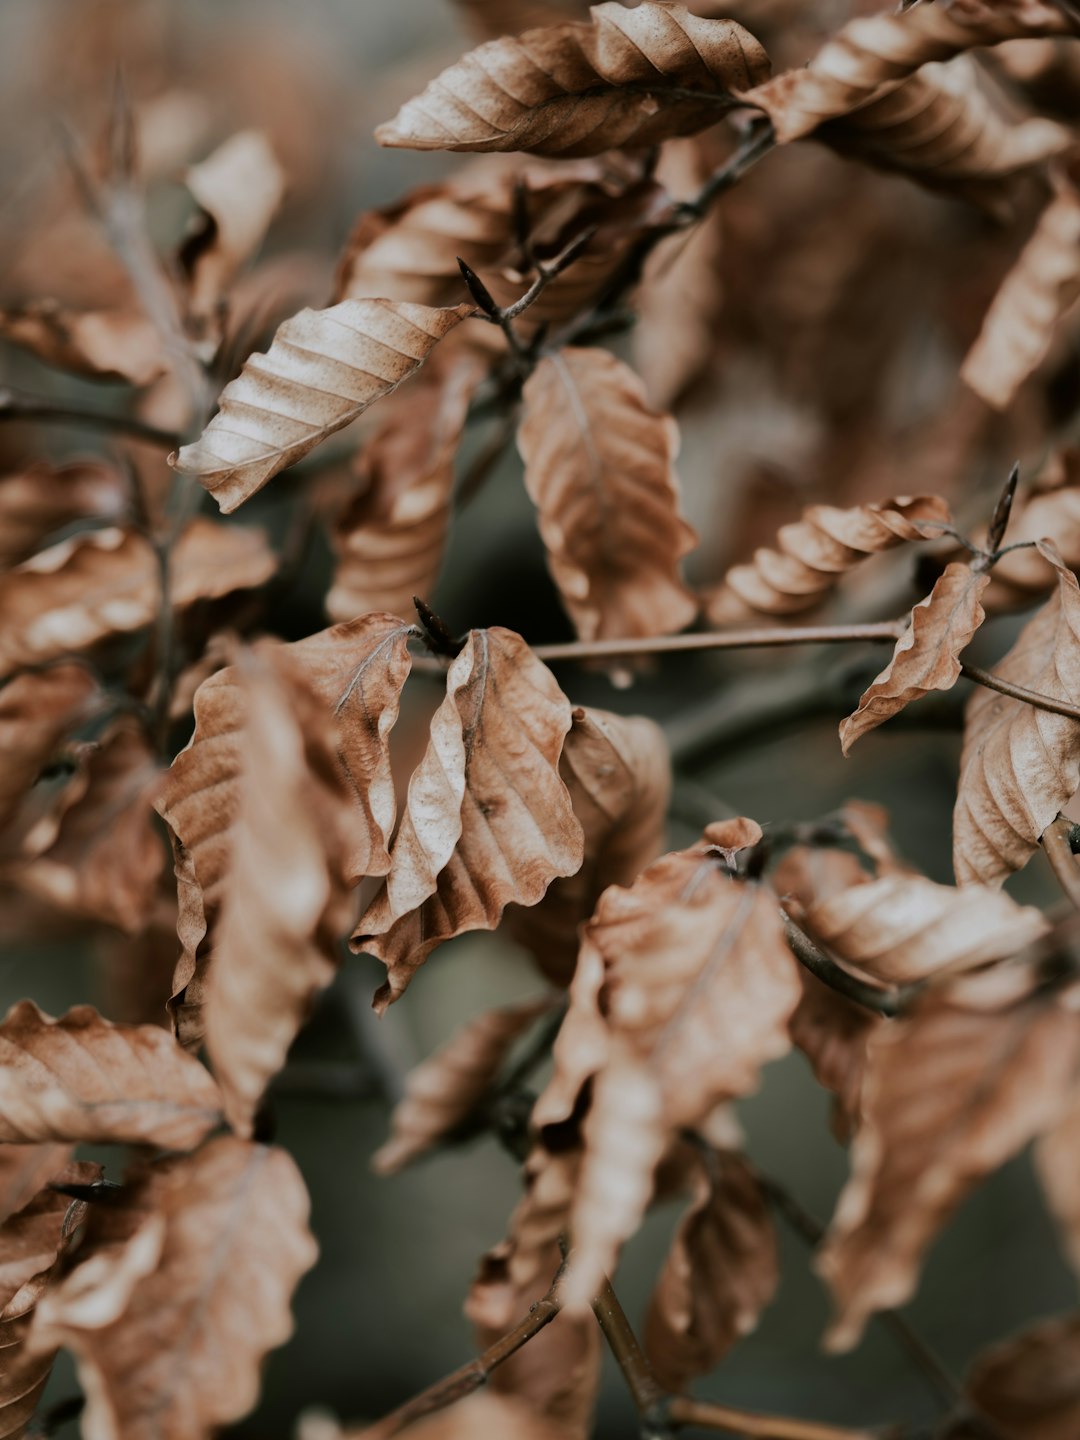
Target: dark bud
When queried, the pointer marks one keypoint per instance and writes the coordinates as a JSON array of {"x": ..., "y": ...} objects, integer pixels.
[
  {"x": 1002, "y": 510},
  {"x": 478, "y": 290},
  {"x": 436, "y": 631}
]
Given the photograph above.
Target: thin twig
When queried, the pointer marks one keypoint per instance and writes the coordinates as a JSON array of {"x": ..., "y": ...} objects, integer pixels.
[
  {"x": 14, "y": 406},
  {"x": 645, "y": 1391},
  {"x": 889, "y": 1001},
  {"x": 683, "y": 1411},
  {"x": 472, "y": 1376},
  {"x": 1018, "y": 692},
  {"x": 1057, "y": 846}
]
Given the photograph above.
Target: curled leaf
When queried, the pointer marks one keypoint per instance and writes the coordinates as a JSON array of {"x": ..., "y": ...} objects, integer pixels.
[
  {"x": 102, "y": 344},
  {"x": 324, "y": 368},
  {"x": 42, "y": 499},
  {"x": 599, "y": 465},
  {"x": 627, "y": 78},
  {"x": 37, "y": 710}
]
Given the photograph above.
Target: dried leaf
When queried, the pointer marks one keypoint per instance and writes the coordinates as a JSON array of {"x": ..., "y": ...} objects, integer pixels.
[
  {"x": 1028, "y": 1387},
  {"x": 81, "y": 1078},
  {"x": 324, "y": 368},
  {"x": 443, "y": 1090},
  {"x": 494, "y": 18},
  {"x": 948, "y": 1095},
  {"x": 238, "y": 188},
  {"x": 1021, "y": 323},
  {"x": 37, "y": 711},
  {"x": 83, "y": 590},
  {"x": 389, "y": 540},
  {"x": 488, "y": 820},
  {"x": 926, "y": 657},
  {"x": 210, "y": 1274},
  {"x": 99, "y": 344},
  {"x": 485, "y": 1414},
  {"x": 1050, "y": 511},
  {"x": 833, "y": 1032},
  {"x": 1020, "y": 765},
  {"x": 42, "y": 499},
  {"x": 26, "y": 1169},
  {"x": 618, "y": 773},
  {"x": 720, "y": 1273},
  {"x": 817, "y": 551},
  {"x": 288, "y": 901},
  {"x": 628, "y": 78},
  {"x": 873, "y": 55},
  {"x": 106, "y": 858},
  {"x": 1057, "y": 1164},
  {"x": 599, "y": 465}
]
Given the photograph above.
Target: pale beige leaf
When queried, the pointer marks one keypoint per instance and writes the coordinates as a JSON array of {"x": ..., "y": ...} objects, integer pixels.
[
  {"x": 324, "y": 368},
  {"x": 627, "y": 78},
  {"x": 903, "y": 928},
  {"x": 875, "y": 54},
  {"x": 43, "y": 498},
  {"x": 1057, "y": 1164},
  {"x": 210, "y": 1275},
  {"x": 83, "y": 590},
  {"x": 357, "y": 670},
  {"x": 238, "y": 188},
  {"x": 105, "y": 344},
  {"x": 389, "y": 540},
  {"x": 81, "y": 1078},
  {"x": 720, "y": 1273},
  {"x": 948, "y": 1095},
  {"x": 618, "y": 773},
  {"x": 1022, "y": 320},
  {"x": 926, "y": 658},
  {"x": 1028, "y": 1387},
  {"x": 488, "y": 819},
  {"x": 814, "y": 554},
  {"x": 106, "y": 857},
  {"x": 288, "y": 899},
  {"x": 37, "y": 710},
  {"x": 599, "y": 465},
  {"x": 1020, "y": 765},
  {"x": 32, "y": 1243},
  {"x": 443, "y": 1090}
]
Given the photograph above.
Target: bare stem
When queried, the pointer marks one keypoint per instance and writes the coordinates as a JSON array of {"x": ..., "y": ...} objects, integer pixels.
[
  {"x": 683, "y": 1411},
  {"x": 1019, "y": 692},
  {"x": 889, "y": 1001},
  {"x": 1057, "y": 846},
  {"x": 644, "y": 1388},
  {"x": 14, "y": 406}
]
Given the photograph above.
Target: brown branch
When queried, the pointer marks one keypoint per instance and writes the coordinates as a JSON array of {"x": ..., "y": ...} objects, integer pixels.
[
  {"x": 1057, "y": 846},
  {"x": 889, "y": 1001},
  {"x": 14, "y": 406},
  {"x": 1018, "y": 692},
  {"x": 683, "y": 1411},
  {"x": 472, "y": 1376}
]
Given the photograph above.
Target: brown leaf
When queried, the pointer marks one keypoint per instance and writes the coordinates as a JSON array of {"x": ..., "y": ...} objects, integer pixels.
[
  {"x": 210, "y": 1274},
  {"x": 486, "y": 1414},
  {"x": 720, "y": 1273},
  {"x": 926, "y": 657},
  {"x": 1050, "y": 511},
  {"x": 390, "y": 538},
  {"x": 31, "y": 1245},
  {"x": 1020, "y": 765},
  {"x": 43, "y": 498},
  {"x": 324, "y": 368},
  {"x": 488, "y": 820},
  {"x": 628, "y": 78},
  {"x": 100, "y": 344},
  {"x": 81, "y": 1078},
  {"x": 1022, "y": 320},
  {"x": 238, "y": 188},
  {"x": 599, "y": 465},
  {"x": 1057, "y": 1165},
  {"x": 949, "y": 1095},
  {"x": 1028, "y": 1387},
  {"x": 817, "y": 551},
  {"x": 492, "y": 19},
  {"x": 106, "y": 858},
  {"x": 37, "y": 710},
  {"x": 903, "y": 928},
  {"x": 833, "y": 1032},
  {"x": 618, "y": 773},
  {"x": 26, "y": 1169},
  {"x": 288, "y": 900},
  {"x": 357, "y": 670},
  {"x": 875, "y": 54},
  {"x": 83, "y": 590},
  {"x": 443, "y": 1090}
]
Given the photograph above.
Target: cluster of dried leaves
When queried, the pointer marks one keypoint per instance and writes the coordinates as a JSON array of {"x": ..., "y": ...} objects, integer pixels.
[{"x": 148, "y": 693}]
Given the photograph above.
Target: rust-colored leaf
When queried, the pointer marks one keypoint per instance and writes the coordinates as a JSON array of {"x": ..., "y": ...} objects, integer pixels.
[
  {"x": 628, "y": 78},
  {"x": 927, "y": 657},
  {"x": 209, "y": 1273},
  {"x": 599, "y": 465},
  {"x": 1028, "y": 1387},
  {"x": 1019, "y": 764},
  {"x": 488, "y": 819},
  {"x": 948, "y": 1095},
  {"x": 720, "y": 1273},
  {"x": 324, "y": 368},
  {"x": 26, "y": 1169},
  {"x": 444, "y": 1090},
  {"x": 37, "y": 710},
  {"x": 81, "y": 1078}
]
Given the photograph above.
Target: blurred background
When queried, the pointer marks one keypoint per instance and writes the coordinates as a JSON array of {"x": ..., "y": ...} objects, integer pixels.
[{"x": 847, "y": 300}]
